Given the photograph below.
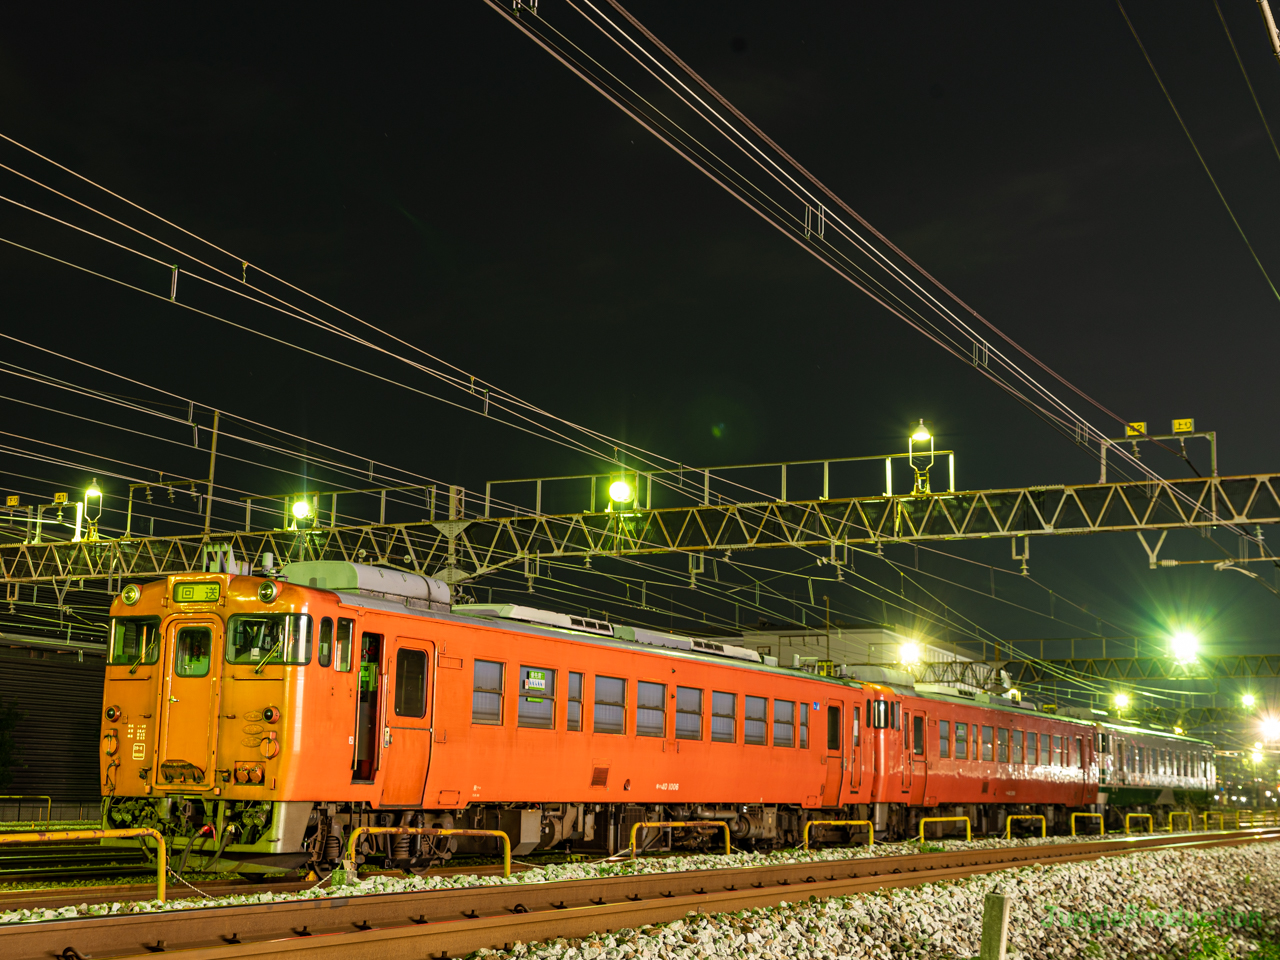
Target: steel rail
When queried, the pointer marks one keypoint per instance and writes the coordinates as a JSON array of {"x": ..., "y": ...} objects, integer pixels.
[{"x": 410, "y": 926}]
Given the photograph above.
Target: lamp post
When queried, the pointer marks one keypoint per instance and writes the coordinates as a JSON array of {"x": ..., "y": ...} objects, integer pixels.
[
  {"x": 91, "y": 510},
  {"x": 920, "y": 434}
]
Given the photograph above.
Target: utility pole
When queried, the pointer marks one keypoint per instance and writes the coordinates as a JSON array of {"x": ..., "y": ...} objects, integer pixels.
[{"x": 213, "y": 454}]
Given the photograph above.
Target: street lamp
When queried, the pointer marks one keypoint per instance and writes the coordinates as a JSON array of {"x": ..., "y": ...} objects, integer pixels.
[
  {"x": 1122, "y": 701},
  {"x": 1270, "y": 728},
  {"x": 620, "y": 491},
  {"x": 909, "y": 653},
  {"x": 1248, "y": 701},
  {"x": 920, "y": 434},
  {"x": 302, "y": 513}
]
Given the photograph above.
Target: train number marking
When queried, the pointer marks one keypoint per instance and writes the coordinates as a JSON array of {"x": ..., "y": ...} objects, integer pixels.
[
  {"x": 666, "y": 786},
  {"x": 139, "y": 750}
]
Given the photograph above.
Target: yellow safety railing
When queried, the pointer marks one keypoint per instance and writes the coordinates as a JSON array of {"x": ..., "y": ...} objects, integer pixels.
[
  {"x": 1206, "y": 815},
  {"x": 635, "y": 828},
  {"x": 1102, "y": 827},
  {"x": 871, "y": 831},
  {"x": 1191, "y": 819},
  {"x": 968, "y": 827},
  {"x": 1008, "y": 824},
  {"x": 434, "y": 832},
  {"x": 48, "y": 801},
  {"x": 52, "y": 836},
  {"x": 1151, "y": 822}
]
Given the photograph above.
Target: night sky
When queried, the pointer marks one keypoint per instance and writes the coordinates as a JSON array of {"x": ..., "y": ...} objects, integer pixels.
[{"x": 436, "y": 174}]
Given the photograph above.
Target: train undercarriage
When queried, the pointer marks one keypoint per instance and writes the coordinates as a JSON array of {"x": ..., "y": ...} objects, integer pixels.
[{"x": 213, "y": 835}]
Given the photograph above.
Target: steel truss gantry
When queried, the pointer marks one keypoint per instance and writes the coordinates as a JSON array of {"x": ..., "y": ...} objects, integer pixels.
[
  {"x": 465, "y": 548},
  {"x": 1025, "y": 673}
]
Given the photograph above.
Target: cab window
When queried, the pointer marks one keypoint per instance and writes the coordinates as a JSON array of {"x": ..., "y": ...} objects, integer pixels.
[
  {"x": 260, "y": 639},
  {"x": 411, "y": 683},
  {"x": 135, "y": 640}
]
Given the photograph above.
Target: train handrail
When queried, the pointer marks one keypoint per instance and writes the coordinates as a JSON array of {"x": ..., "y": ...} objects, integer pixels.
[
  {"x": 1102, "y": 824},
  {"x": 48, "y": 810},
  {"x": 1008, "y": 823},
  {"x": 968, "y": 826},
  {"x": 433, "y": 832},
  {"x": 871, "y": 828},
  {"x": 1151, "y": 821},
  {"x": 52, "y": 836},
  {"x": 635, "y": 827},
  {"x": 1191, "y": 819}
]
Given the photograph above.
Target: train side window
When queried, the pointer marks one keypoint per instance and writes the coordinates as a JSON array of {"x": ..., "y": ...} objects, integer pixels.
[
  {"x": 1045, "y": 751},
  {"x": 1142, "y": 766},
  {"x": 1002, "y": 745},
  {"x": 857, "y": 726},
  {"x": 609, "y": 715},
  {"x": 486, "y": 696},
  {"x": 962, "y": 741},
  {"x": 784, "y": 723},
  {"x": 724, "y": 717},
  {"x": 895, "y": 715},
  {"x": 988, "y": 742},
  {"x": 917, "y": 735},
  {"x": 573, "y": 711},
  {"x": 880, "y": 714},
  {"x": 833, "y": 728},
  {"x": 192, "y": 652},
  {"x": 324, "y": 653},
  {"x": 134, "y": 641},
  {"x": 651, "y": 709},
  {"x": 688, "y": 713},
  {"x": 755, "y": 726},
  {"x": 537, "y": 706},
  {"x": 346, "y": 629},
  {"x": 944, "y": 739},
  {"x": 1016, "y": 753},
  {"x": 1056, "y": 759},
  {"x": 411, "y": 683},
  {"x": 1033, "y": 747},
  {"x": 804, "y": 726},
  {"x": 1104, "y": 743},
  {"x": 1080, "y": 752}
]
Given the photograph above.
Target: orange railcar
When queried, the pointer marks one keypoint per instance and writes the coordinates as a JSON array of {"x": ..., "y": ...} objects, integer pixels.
[{"x": 258, "y": 721}]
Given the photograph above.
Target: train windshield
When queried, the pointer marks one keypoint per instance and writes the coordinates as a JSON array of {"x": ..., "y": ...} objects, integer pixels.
[
  {"x": 134, "y": 641},
  {"x": 260, "y": 639}
]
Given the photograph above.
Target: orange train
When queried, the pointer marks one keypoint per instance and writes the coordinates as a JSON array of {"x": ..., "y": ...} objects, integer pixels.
[{"x": 258, "y": 721}]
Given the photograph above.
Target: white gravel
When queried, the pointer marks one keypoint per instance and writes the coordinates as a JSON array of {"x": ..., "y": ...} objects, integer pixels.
[
  {"x": 1144, "y": 905},
  {"x": 550, "y": 873}
]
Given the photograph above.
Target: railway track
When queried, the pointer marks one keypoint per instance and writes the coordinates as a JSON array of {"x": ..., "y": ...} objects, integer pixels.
[{"x": 456, "y": 922}]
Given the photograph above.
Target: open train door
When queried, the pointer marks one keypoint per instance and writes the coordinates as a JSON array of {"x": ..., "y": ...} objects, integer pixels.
[
  {"x": 835, "y": 753},
  {"x": 406, "y": 731}
]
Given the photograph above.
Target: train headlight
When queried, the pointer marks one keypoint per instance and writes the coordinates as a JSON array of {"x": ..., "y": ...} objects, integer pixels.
[
  {"x": 268, "y": 591},
  {"x": 130, "y": 594},
  {"x": 114, "y": 713},
  {"x": 271, "y": 714}
]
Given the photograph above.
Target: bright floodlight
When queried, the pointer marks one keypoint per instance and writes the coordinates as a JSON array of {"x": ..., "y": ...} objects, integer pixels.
[
  {"x": 1122, "y": 700},
  {"x": 1256, "y": 757},
  {"x": 301, "y": 509},
  {"x": 1270, "y": 728},
  {"x": 1182, "y": 646},
  {"x": 921, "y": 433},
  {"x": 94, "y": 490},
  {"x": 620, "y": 491},
  {"x": 1248, "y": 700},
  {"x": 909, "y": 653}
]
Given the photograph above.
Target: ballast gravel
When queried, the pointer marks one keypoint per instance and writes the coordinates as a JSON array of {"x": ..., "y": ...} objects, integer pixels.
[
  {"x": 1140, "y": 906},
  {"x": 190, "y": 899}
]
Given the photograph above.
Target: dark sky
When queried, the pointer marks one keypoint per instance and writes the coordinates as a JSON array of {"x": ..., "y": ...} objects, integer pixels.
[{"x": 436, "y": 174}]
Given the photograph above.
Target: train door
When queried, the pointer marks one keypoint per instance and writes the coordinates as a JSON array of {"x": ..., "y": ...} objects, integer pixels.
[
  {"x": 188, "y": 731},
  {"x": 1082, "y": 768},
  {"x": 855, "y": 750},
  {"x": 835, "y": 753},
  {"x": 364, "y": 756},
  {"x": 406, "y": 736},
  {"x": 900, "y": 723},
  {"x": 919, "y": 769}
]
